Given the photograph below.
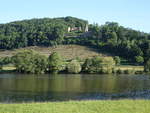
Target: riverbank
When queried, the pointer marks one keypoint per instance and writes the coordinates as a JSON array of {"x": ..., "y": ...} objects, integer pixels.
[
  {"x": 108, "y": 106},
  {"x": 11, "y": 68}
]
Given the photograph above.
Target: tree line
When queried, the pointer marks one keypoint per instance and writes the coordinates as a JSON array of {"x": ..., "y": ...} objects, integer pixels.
[{"x": 29, "y": 61}]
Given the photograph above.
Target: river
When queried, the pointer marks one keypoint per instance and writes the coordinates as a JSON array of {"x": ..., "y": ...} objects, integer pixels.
[{"x": 64, "y": 87}]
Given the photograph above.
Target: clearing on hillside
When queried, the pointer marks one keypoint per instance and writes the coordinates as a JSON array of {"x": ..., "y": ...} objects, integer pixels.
[{"x": 67, "y": 51}]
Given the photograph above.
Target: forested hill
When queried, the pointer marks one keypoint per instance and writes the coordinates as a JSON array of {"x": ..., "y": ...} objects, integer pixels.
[
  {"x": 110, "y": 37},
  {"x": 45, "y": 32}
]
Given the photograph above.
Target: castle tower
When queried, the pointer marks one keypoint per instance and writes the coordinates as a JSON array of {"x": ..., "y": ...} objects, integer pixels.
[{"x": 86, "y": 28}]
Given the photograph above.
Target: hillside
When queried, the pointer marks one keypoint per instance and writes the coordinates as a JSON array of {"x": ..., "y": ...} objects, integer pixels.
[
  {"x": 111, "y": 37},
  {"x": 38, "y": 32},
  {"x": 67, "y": 51}
]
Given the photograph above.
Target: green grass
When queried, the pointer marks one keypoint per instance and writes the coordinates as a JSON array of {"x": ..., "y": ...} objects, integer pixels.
[
  {"x": 130, "y": 67},
  {"x": 9, "y": 68},
  {"x": 121, "y": 106}
]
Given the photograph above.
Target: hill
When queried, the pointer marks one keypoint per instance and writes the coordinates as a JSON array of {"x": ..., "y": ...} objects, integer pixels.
[
  {"x": 67, "y": 51},
  {"x": 38, "y": 32},
  {"x": 110, "y": 38}
]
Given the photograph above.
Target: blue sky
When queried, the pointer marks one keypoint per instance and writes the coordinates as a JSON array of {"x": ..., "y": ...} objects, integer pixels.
[{"x": 129, "y": 13}]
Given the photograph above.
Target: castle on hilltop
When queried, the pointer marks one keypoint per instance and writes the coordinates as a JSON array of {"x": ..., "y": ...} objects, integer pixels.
[{"x": 85, "y": 29}]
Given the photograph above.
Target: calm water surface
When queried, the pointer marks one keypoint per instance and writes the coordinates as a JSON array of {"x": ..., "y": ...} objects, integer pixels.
[{"x": 26, "y": 88}]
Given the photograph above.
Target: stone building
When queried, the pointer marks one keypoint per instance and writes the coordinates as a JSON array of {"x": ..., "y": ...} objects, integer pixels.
[{"x": 70, "y": 29}]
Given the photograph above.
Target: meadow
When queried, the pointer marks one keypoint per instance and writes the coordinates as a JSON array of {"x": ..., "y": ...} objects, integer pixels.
[{"x": 95, "y": 106}]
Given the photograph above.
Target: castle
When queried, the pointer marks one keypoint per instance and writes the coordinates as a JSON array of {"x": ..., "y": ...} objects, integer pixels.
[{"x": 85, "y": 29}]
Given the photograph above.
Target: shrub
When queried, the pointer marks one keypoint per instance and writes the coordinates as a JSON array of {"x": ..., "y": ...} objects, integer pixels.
[
  {"x": 98, "y": 65},
  {"x": 74, "y": 67},
  {"x": 139, "y": 59},
  {"x": 147, "y": 66},
  {"x": 28, "y": 61},
  {"x": 117, "y": 60},
  {"x": 1, "y": 63},
  {"x": 55, "y": 63},
  {"x": 114, "y": 71},
  {"x": 129, "y": 71},
  {"x": 119, "y": 71}
]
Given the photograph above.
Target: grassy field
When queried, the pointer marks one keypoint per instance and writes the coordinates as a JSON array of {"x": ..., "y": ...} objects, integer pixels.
[
  {"x": 122, "y": 67},
  {"x": 10, "y": 68},
  {"x": 110, "y": 106},
  {"x": 67, "y": 51},
  {"x": 130, "y": 67}
]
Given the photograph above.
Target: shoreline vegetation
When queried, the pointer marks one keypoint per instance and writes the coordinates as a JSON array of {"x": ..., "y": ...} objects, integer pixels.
[
  {"x": 29, "y": 61},
  {"x": 90, "y": 106},
  {"x": 123, "y": 68}
]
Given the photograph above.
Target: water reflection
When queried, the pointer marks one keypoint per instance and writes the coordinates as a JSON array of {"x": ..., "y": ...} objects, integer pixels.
[{"x": 18, "y": 88}]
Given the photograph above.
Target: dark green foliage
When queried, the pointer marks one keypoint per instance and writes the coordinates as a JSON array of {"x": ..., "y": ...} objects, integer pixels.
[
  {"x": 111, "y": 37},
  {"x": 117, "y": 40},
  {"x": 117, "y": 60},
  {"x": 28, "y": 61},
  {"x": 119, "y": 71},
  {"x": 1, "y": 63},
  {"x": 147, "y": 66},
  {"x": 139, "y": 59},
  {"x": 98, "y": 65},
  {"x": 4, "y": 61},
  {"x": 55, "y": 63},
  {"x": 127, "y": 71},
  {"x": 40, "y": 32}
]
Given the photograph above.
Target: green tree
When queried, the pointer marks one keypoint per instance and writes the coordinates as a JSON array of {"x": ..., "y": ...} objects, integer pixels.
[
  {"x": 28, "y": 61},
  {"x": 117, "y": 60},
  {"x": 139, "y": 59},
  {"x": 1, "y": 63},
  {"x": 147, "y": 66},
  {"x": 74, "y": 67},
  {"x": 55, "y": 62},
  {"x": 98, "y": 65}
]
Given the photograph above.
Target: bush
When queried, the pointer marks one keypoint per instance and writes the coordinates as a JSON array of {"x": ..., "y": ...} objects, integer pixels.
[
  {"x": 74, "y": 67},
  {"x": 1, "y": 67},
  {"x": 119, "y": 71},
  {"x": 117, "y": 60},
  {"x": 139, "y": 59},
  {"x": 28, "y": 61},
  {"x": 129, "y": 71},
  {"x": 93, "y": 65},
  {"x": 114, "y": 71},
  {"x": 55, "y": 63},
  {"x": 98, "y": 65},
  {"x": 1, "y": 63},
  {"x": 147, "y": 66}
]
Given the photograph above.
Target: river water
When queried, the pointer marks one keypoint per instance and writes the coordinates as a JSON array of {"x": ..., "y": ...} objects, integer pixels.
[{"x": 39, "y": 88}]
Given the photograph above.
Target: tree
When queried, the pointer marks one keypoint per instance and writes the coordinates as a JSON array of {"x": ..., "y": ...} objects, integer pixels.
[
  {"x": 113, "y": 38},
  {"x": 139, "y": 59},
  {"x": 55, "y": 62},
  {"x": 98, "y": 65},
  {"x": 117, "y": 60},
  {"x": 28, "y": 61},
  {"x": 147, "y": 66},
  {"x": 74, "y": 67},
  {"x": 1, "y": 63}
]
